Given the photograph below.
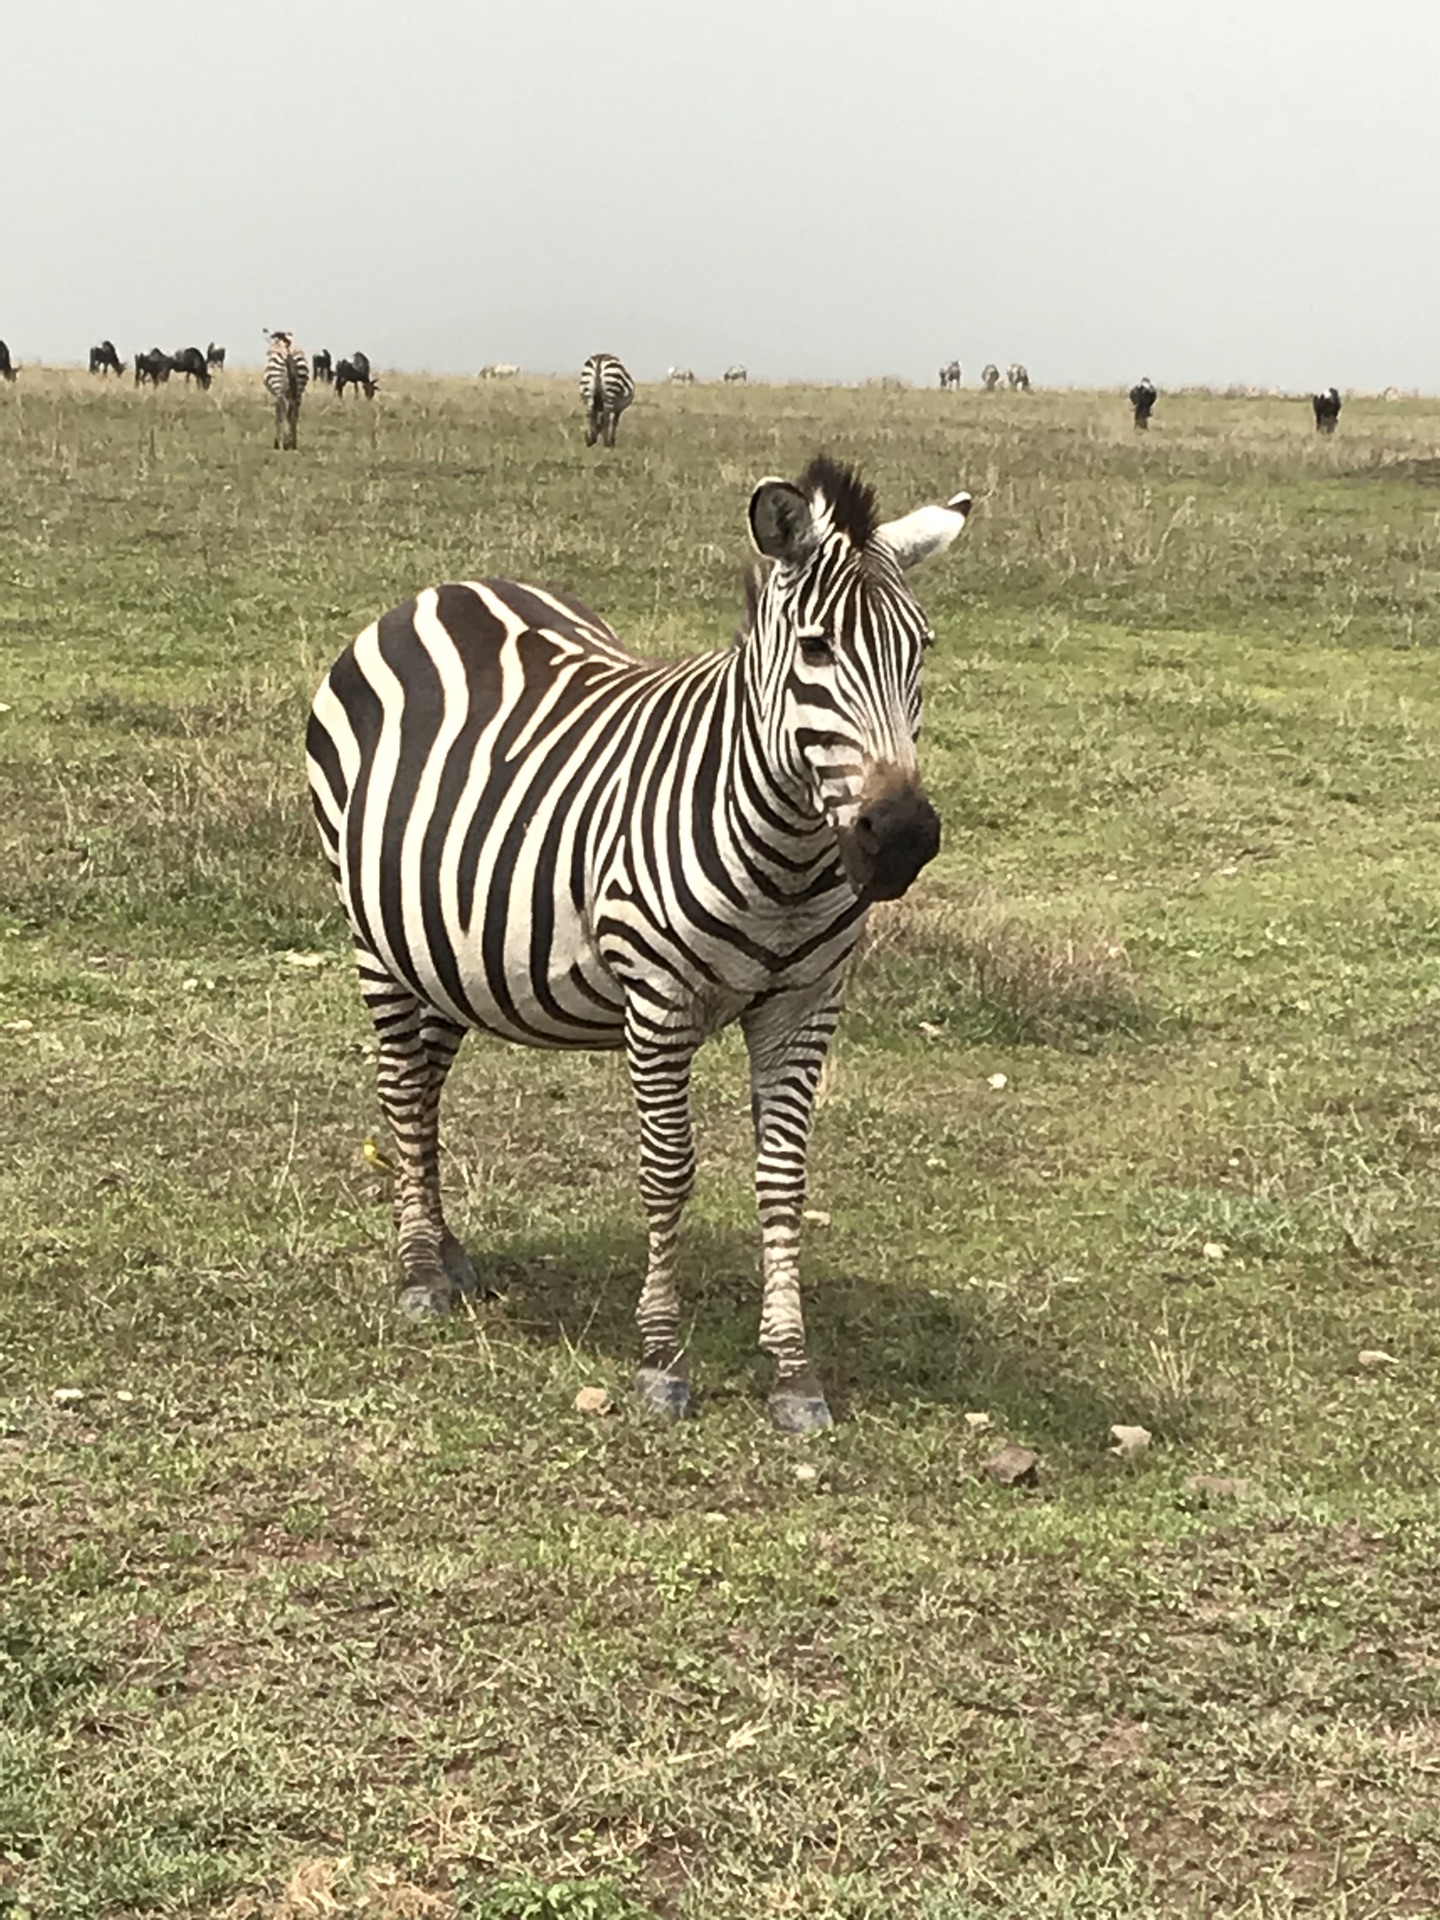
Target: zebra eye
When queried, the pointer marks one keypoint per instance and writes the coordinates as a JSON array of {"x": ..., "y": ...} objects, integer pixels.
[{"x": 816, "y": 649}]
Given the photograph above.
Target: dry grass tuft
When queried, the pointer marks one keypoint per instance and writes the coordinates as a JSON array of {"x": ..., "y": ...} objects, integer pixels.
[{"x": 322, "y": 1889}]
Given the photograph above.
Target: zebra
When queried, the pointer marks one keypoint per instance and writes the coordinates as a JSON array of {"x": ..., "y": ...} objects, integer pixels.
[
  {"x": 680, "y": 376},
  {"x": 1142, "y": 398},
  {"x": 1018, "y": 376},
  {"x": 607, "y": 389},
  {"x": 215, "y": 358},
  {"x": 500, "y": 370},
  {"x": 1327, "y": 410},
  {"x": 7, "y": 365},
  {"x": 104, "y": 359},
  {"x": 286, "y": 376},
  {"x": 736, "y": 376},
  {"x": 950, "y": 377},
  {"x": 990, "y": 377},
  {"x": 323, "y": 367},
  {"x": 535, "y": 834}
]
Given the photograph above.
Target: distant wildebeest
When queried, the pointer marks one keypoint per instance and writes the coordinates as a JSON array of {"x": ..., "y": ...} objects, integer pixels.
[
  {"x": 192, "y": 363},
  {"x": 499, "y": 370},
  {"x": 215, "y": 358},
  {"x": 1142, "y": 398},
  {"x": 7, "y": 369},
  {"x": 681, "y": 376},
  {"x": 736, "y": 376},
  {"x": 950, "y": 377},
  {"x": 1018, "y": 374},
  {"x": 287, "y": 374},
  {"x": 104, "y": 359},
  {"x": 990, "y": 376},
  {"x": 323, "y": 367},
  {"x": 1327, "y": 410},
  {"x": 354, "y": 372},
  {"x": 154, "y": 366},
  {"x": 606, "y": 389}
]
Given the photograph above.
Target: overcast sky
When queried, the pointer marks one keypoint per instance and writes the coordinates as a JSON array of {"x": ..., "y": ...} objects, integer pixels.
[{"x": 1102, "y": 188}]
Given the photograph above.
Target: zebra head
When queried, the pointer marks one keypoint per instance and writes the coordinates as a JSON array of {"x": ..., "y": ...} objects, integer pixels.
[{"x": 837, "y": 641}]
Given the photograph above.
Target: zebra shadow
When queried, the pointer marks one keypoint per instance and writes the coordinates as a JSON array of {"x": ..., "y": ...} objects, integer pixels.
[{"x": 877, "y": 1343}]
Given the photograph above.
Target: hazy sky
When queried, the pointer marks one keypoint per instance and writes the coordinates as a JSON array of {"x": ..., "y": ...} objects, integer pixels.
[{"x": 1102, "y": 188}]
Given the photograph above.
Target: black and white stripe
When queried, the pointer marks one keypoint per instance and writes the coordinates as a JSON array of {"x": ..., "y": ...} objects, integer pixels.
[
  {"x": 287, "y": 373},
  {"x": 1017, "y": 375},
  {"x": 990, "y": 376},
  {"x": 536, "y": 834},
  {"x": 950, "y": 377},
  {"x": 606, "y": 389}
]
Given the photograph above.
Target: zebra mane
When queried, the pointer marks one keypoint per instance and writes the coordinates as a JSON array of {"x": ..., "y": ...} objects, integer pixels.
[{"x": 853, "y": 508}]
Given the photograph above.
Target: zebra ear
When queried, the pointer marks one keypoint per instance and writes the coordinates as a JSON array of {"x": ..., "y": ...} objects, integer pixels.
[
  {"x": 781, "y": 523},
  {"x": 927, "y": 531}
]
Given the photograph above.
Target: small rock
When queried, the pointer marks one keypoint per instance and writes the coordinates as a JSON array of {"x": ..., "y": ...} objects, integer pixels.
[
  {"x": 306, "y": 959},
  {"x": 816, "y": 1216},
  {"x": 1372, "y": 1358},
  {"x": 805, "y": 1473},
  {"x": 67, "y": 1396},
  {"x": 1129, "y": 1440},
  {"x": 123, "y": 1395},
  {"x": 1212, "y": 1250},
  {"x": 1217, "y": 1486},
  {"x": 930, "y": 1030},
  {"x": 998, "y": 1082},
  {"x": 1013, "y": 1467},
  {"x": 594, "y": 1400},
  {"x": 977, "y": 1422}
]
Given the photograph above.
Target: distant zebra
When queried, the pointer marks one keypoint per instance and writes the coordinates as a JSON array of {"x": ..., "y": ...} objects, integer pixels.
[
  {"x": 323, "y": 367},
  {"x": 192, "y": 363},
  {"x": 155, "y": 366},
  {"x": 354, "y": 372},
  {"x": 1327, "y": 410},
  {"x": 536, "y": 834},
  {"x": 1018, "y": 375},
  {"x": 950, "y": 377},
  {"x": 736, "y": 376},
  {"x": 1142, "y": 398},
  {"x": 681, "y": 376},
  {"x": 990, "y": 376},
  {"x": 7, "y": 367},
  {"x": 500, "y": 370},
  {"x": 104, "y": 359},
  {"x": 286, "y": 377},
  {"x": 606, "y": 389},
  {"x": 215, "y": 358}
]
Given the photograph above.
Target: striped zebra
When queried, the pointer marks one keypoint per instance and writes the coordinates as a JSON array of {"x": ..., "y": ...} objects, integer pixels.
[
  {"x": 286, "y": 373},
  {"x": 950, "y": 381},
  {"x": 607, "y": 389},
  {"x": 990, "y": 376},
  {"x": 1018, "y": 376},
  {"x": 680, "y": 376},
  {"x": 1143, "y": 396},
  {"x": 535, "y": 834},
  {"x": 736, "y": 376}
]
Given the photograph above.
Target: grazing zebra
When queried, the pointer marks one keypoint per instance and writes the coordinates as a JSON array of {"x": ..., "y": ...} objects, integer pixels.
[
  {"x": 950, "y": 377},
  {"x": 1327, "y": 410},
  {"x": 286, "y": 377},
  {"x": 354, "y": 372},
  {"x": 680, "y": 376},
  {"x": 500, "y": 370},
  {"x": 736, "y": 376},
  {"x": 215, "y": 358},
  {"x": 323, "y": 367},
  {"x": 155, "y": 366},
  {"x": 535, "y": 834},
  {"x": 104, "y": 359},
  {"x": 990, "y": 377},
  {"x": 7, "y": 367},
  {"x": 192, "y": 363},
  {"x": 607, "y": 389},
  {"x": 1018, "y": 375},
  {"x": 1142, "y": 398}
]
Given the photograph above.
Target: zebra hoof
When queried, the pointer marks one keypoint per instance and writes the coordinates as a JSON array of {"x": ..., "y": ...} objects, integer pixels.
[
  {"x": 427, "y": 1301},
  {"x": 665, "y": 1394},
  {"x": 798, "y": 1406}
]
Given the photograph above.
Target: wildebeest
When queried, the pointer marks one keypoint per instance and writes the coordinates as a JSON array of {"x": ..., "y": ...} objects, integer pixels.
[
  {"x": 7, "y": 369},
  {"x": 681, "y": 376},
  {"x": 736, "y": 376},
  {"x": 990, "y": 377},
  {"x": 154, "y": 366},
  {"x": 323, "y": 367},
  {"x": 1327, "y": 410},
  {"x": 1142, "y": 398},
  {"x": 192, "y": 363},
  {"x": 950, "y": 377},
  {"x": 354, "y": 372},
  {"x": 1018, "y": 374},
  {"x": 104, "y": 359},
  {"x": 215, "y": 358}
]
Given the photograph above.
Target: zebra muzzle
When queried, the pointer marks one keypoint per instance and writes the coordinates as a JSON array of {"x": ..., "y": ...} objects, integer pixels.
[{"x": 889, "y": 841}]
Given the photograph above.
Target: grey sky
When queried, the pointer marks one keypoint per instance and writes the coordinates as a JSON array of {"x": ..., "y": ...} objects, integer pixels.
[{"x": 1228, "y": 192}]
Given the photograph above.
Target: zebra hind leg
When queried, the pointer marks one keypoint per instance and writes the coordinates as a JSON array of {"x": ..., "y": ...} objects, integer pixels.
[{"x": 660, "y": 1059}]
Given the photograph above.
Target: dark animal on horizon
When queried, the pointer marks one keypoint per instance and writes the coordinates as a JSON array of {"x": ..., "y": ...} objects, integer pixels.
[
  {"x": 1018, "y": 376},
  {"x": 537, "y": 835},
  {"x": 155, "y": 366},
  {"x": 192, "y": 363},
  {"x": 990, "y": 377},
  {"x": 1327, "y": 410},
  {"x": 950, "y": 377},
  {"x": 286, "y": 376},
  {"x": 323, "y": 367},
  {"x": 215, "y": 358},
  {"x": 354, "y": 372},
  {"x": 7, "y": 366},
  {"x": 104, "y": 359},
  {"x": 606, "y": 389},
  {"x": 736, "y": 376},
  {"x": 1142, "y": 398}
]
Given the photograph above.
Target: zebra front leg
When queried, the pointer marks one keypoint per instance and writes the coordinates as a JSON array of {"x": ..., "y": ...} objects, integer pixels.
[
  {"x": 442, "y": 1039},
  {"x": 659, "y": 1058},
  {"x": 787, "y": 1038}
]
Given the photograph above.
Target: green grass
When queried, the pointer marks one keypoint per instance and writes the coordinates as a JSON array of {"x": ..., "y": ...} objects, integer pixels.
[{"x": 310, "y": 1612}]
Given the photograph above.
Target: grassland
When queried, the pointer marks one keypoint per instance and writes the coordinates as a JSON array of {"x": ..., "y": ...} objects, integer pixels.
[{"x": 309, "y": 1612}]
